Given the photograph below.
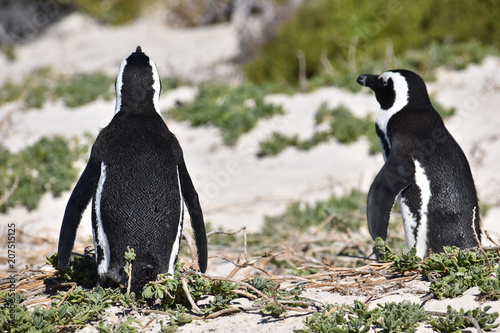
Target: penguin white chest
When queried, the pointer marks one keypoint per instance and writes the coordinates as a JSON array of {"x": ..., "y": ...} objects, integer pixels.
[
  {"x": 416, "y": 228},
  {"x": 382, "y": 121}
]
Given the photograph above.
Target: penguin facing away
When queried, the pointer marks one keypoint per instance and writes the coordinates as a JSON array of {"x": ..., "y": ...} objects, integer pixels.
[
  {"x": 425, "y": 169},
  {"x": 138, "y": 183}
]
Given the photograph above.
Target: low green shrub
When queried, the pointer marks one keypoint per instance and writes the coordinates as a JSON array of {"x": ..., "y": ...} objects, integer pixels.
[
  {"x": 113, "y": 12},
  {"x": 393, "y": 317},
  {"x": 44, "y": 85},
  {"x": 233, "y": 110},
  {"x": 451, "y": 272},
  {"x": 46, "y": 166},
  {"x": 339, "y": 40},
  {"x": 342, "y": 126},
  {"x": 340, "y": 213}
]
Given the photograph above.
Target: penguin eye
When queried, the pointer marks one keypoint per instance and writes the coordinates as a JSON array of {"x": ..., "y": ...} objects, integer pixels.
[{"x": 384, "y": 82}]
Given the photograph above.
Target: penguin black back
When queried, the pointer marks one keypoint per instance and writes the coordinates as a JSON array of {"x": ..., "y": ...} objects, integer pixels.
[
  {"x": 138, "y": 182},
  {"x": 425, "y": 169}
]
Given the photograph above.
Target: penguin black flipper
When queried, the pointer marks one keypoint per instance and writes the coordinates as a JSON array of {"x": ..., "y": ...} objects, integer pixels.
[
  {"x": 395, "y": 176},
  {"x": 78, "y": 201},
  {"x": 192, "y": 202}
]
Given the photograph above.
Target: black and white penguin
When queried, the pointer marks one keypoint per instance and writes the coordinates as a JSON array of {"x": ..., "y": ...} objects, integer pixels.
[
  {"x": 139, "y": 183},
  {"x": 424, "y": 168}
]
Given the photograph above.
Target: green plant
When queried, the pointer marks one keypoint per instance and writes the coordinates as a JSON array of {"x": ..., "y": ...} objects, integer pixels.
[
  {"x": 336, "y": 46},
  {"x": 385, "y": 253},
  {"x": 406, "y": 262},
  {"x": 81, "y": 269},
  {"x": 456, "y": 321},
  {"x": 400, "y": 317},
  {"x": 82, "y": 89},
  {"x": 130, "y": 325},
  {"x": 68, "y": 310},
  {"x": 458, "y": 269},
  {"x": 325, "y": 321},
  {"x": 112, "y": 11},
  {"x": 490, "y": 287},
  {"x": 335, "y": 213},
  {"x": 234, "y": 110},
  {"x": 169, "y": 292},
  {"x": 393, "y": 317},
  {"x": 43, "y": 84},
  {"x": 45, "y": 166},
  {"x": 342, "y": 125},
  {"x": 451, "y": 272}
]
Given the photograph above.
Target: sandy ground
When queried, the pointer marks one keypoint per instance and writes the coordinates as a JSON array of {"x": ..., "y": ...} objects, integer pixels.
[{"x": 236, "y": 188}]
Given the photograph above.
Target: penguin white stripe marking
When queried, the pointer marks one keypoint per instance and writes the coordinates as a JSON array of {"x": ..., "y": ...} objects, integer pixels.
[
  {"x": 409, "y": 222},
  {"x": 101, "y": 236},
  {"x": 424, "y": 184},
  {"x": 156, "y": 86},
  {"x": 118, "y": 86},
  {"x": 176, "y": 245},
  {"x": 401, "y": 99}
]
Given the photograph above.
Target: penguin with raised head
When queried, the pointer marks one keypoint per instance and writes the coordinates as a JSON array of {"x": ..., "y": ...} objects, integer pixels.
[
  {"x": 138, "y": 183},
  {"x": 425, "y": 169}
]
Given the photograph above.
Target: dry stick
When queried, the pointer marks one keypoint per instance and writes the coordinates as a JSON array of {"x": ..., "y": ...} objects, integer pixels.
[
  {"x": 129, "y": 278},
  {"x": 150, "y": 311},
  {"x": 241, "y": 283},
  {"x": 10, "y": 192},
  {"x": 192, "y": 249},
  {"x": 487, "y": 233},
  {"x": 249, "y": 264},
  {"x": 229, "y": 232},
  {"x": 472, "y": 320},
  {"x": 244, "y": 284},
  {"x": 149, "y": 322},
  {"x": 73, "y": 286},
  {"x": 245, "y": 294},
  {"x": 492, "y": 248},
  {"x": 477, "y": 238},
  {"x": 188, "y": 295},
  {"x": 245, "y": 252},
  {"x": 222, "y": 312},
  {"x": 6, "y": 119}
]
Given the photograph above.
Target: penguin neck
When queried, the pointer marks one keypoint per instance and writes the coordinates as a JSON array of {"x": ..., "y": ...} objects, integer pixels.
[
  {"x": 382, "y": 121},
  {"x": 125, "y": 100},
  {"x": 138, "y": 97}
]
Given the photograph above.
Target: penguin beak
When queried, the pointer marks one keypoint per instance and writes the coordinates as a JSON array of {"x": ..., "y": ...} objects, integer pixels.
[{"x": 369, "y": 80}]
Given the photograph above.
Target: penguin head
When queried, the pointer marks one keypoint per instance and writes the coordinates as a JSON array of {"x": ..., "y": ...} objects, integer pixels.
[
  {"x": 396, "y": 89},
  {"x": 137, "y": 84}
]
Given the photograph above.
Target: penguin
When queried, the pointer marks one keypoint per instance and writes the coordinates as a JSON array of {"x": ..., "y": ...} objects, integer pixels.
[
  {"x": 138, "y": 182},
  {"x": 425, "y": 169}
]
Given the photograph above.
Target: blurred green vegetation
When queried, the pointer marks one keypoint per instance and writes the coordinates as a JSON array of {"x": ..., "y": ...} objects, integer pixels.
[
  {"x": 339, "y": 40},
  {"x": 342, "y": 125},
  {"x": 46, "y": 166},
  {"x": 338, "y": 213},
  {"x": 113, "y": 12},
  {"x": 43, "y": 85},
  {"x": 233, "y": 109}
]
